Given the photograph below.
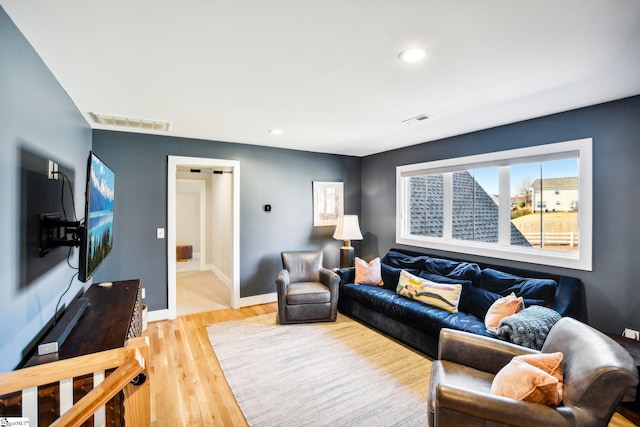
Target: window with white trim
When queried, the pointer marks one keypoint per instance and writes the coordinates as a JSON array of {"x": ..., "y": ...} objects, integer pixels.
[{"x": 529, "y": 204}]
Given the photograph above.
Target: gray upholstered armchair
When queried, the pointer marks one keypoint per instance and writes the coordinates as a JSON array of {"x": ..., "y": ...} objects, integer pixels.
[
  {"x": 597, "y": 373},
  {"x": 307, "y": 292}
]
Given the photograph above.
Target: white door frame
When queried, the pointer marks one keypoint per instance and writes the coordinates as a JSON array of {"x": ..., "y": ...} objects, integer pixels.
[{"x": 195, "y": 162}]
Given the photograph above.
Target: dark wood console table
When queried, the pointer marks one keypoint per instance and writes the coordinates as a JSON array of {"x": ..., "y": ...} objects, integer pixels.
[{"x": 113, "y": 316}]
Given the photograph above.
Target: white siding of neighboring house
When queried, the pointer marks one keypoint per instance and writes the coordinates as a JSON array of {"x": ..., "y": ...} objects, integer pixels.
[{"x": 558, "y": 194}]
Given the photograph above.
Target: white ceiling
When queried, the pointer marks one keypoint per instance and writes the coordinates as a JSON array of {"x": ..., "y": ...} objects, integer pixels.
[{"x": 326, "y": 72}]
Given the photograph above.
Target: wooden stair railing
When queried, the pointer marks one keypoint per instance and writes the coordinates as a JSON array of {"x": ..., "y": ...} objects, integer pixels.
[{"x": 129, "y": 361}]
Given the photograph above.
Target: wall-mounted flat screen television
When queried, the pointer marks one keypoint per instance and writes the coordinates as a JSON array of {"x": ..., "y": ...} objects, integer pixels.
[{"x": 98, "y": 225}]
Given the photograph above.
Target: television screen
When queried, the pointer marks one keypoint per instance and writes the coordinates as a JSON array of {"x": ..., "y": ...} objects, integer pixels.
[{"x": 98, "y": 240}]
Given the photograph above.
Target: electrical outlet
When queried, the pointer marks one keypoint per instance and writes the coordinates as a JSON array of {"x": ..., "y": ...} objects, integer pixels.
[
  {"x": 143, "y": 293},
  {"x": 160, "y": 233},
  {"x": 53, "y": 169},
  {"x": 631, "y": 333}
]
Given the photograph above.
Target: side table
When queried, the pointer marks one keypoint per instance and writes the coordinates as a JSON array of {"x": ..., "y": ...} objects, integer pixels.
[
  {"x": 630, "y": 410},
  {"x": 184, "y": 253}
]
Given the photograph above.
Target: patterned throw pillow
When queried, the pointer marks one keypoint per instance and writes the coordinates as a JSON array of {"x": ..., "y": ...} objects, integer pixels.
[
  {"x": 440, "y": 295},
  {"x": 533, "y": 378},
  {"x": 368, "y": 274},
  {"x": 501, "y": 308}
]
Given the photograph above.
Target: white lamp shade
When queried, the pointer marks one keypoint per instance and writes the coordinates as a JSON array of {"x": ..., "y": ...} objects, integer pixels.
[{"x": 348, "y": 228}]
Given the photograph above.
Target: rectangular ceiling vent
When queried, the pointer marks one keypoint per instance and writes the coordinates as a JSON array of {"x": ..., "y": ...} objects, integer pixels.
[
  {"x": 415, "y": 119},
  {"x": 108, "y": 120}
]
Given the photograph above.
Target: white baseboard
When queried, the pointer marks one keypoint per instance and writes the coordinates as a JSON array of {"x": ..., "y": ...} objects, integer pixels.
[
  {"x": 157, "y": 315},
  {"x": 220, "y": 275},
  {"x": 258, "y": 299}
]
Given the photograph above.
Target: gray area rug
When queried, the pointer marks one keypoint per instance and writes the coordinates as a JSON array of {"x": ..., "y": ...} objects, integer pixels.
[{"x": 320, "y": 374}]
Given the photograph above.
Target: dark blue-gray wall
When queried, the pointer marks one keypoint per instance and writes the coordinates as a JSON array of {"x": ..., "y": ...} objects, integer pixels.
[
  {"x": 611, "y": 289},
  {"x": 37, "y": 120},
  {"x": 281, "y": 178}
]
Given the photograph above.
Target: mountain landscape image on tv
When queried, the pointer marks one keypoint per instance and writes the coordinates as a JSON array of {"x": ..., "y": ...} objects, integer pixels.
[{"x": 99, "y": 213}]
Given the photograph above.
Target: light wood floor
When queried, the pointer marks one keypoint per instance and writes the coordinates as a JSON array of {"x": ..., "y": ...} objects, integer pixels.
[{"x": 187, "y": 385}]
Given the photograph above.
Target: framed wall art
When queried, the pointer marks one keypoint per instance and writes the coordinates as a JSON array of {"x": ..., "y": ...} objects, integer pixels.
[{"x": 328, "y": 203}]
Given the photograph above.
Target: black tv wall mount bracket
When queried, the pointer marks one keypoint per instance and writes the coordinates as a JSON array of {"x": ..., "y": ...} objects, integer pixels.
[{"x": 56, "y": 231}]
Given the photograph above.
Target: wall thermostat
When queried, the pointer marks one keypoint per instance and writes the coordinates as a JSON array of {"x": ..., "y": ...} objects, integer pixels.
[{"x": 267, "y": 208}]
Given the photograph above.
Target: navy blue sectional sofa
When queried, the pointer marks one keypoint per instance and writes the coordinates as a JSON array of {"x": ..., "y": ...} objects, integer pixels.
[{"x": 418, "y": 325}]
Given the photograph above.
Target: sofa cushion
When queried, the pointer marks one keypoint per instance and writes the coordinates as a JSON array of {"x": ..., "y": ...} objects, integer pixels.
[
  {"x": 501, "y": 308},
  {"x": 368, "y": 273},
  {"x": 307, "y": 293},
  {"x": 391, "y": 275},
  {"x": 400, "y": 260},
  {"x": 477, "y": 301},
  {"x": 453, "y": 269},
  {"x": 533, "y": 291},
  {"x": 551, "y": 363},
  {"x": 532, "y": 378},
  {"x": 442, "y": 279},
  {"x": 440, "y": 295},
  {"x": 412, "y": 313}
]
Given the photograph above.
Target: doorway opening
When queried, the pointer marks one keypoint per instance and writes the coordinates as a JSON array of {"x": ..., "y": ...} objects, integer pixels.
[
  {"x": 203, "y": 223},
  {"x": 203, "y": 240}
]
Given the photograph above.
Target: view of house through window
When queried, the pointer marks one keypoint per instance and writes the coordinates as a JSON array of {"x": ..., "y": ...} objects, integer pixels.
[
  {"x": 525, "y": 200},
  {"x": 544, "y": 203}
]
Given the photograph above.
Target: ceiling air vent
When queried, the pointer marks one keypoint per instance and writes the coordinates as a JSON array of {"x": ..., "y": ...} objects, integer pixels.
[
  {"x": 105, "y": 119},
  {"x": 415, "y": 119}
]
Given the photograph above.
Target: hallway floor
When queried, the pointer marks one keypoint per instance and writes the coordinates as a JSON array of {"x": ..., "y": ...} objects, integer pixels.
[{"x": 199, "y": 291}]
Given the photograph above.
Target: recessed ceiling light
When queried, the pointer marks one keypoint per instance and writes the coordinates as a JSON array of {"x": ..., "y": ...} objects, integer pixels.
[
  {"x": 275, "y": 131},
  {"x": 413, "y": 55}
]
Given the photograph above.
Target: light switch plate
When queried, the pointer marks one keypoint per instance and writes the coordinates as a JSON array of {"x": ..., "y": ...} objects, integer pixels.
[
  {"x": 53, "y": 170},
  {"x": 160, "y": 233}
]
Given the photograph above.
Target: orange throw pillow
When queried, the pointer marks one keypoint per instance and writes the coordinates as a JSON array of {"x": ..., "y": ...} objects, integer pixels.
[
  {"x": 551, "y": 363},
  {"x": 501, "y": 308},
  {"x": 368, "y": 274},
  {"x": 535, "y": 378}
]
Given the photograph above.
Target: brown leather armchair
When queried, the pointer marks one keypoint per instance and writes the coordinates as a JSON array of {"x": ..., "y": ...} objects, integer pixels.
[
  {"x": 597, "y": 373},
  {"x": 307, "y": 292}
]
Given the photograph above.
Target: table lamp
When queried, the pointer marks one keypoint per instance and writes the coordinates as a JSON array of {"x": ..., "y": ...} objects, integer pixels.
[{"x": 347, "y": 230}]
